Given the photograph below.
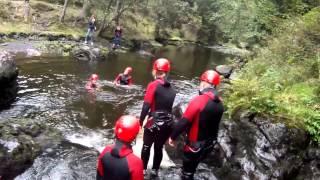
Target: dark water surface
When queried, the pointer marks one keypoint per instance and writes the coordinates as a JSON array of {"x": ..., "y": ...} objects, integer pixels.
[{"x": 52, "y": 91}]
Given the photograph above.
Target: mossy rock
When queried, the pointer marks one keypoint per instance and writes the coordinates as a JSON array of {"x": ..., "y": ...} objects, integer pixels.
[{"x": 21, "y": 141}]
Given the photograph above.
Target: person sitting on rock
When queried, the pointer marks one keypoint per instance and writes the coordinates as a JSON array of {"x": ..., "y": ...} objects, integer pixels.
[
  {"x": 117, "y": 37},
  {"x": 91, "y": 28},
  {"x": 92, "y": 83},
  {"x": 117, "y": 161},
  {"x": 124, "y": 78}
]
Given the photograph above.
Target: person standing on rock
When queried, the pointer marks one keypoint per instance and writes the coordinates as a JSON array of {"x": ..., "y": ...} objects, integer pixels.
[
  {"x": 201, "y": 120},
  {"x": 117, "y": 162},
  {"x": 91, "y": 28},
  {"x": 158, "y": 102},
  {"x": 124, "y": 78},
  {"x": 117, "y": 37}
]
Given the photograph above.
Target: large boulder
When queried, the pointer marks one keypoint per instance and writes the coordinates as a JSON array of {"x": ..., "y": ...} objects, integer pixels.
[
  {"x": 224, "y": 70},
  {"x": 8, "y": 79},
  {"x": 256, "y": 147},
  {"x": 89, "y": 53},
  {"x": 21, "y": 141}
]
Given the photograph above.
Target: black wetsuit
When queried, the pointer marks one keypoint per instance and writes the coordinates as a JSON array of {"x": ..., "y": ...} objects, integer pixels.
[
  {"x": 117, "y": 162},
  {"x": 201, "y": 120},
  {"x": 124, "y": 79},
  {"x": 159, "y": 100}
]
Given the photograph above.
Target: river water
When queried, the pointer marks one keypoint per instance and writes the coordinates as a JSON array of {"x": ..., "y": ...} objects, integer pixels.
[{"x": 51, "y": 90}]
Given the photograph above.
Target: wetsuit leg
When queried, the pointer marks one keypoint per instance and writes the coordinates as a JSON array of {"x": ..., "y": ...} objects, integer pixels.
[
  {"x": 148, "y": 139},
  {"x": 190, "y": 164},
  {"x": 160, "y": 140},
  {"x": 87, "y": 35}
]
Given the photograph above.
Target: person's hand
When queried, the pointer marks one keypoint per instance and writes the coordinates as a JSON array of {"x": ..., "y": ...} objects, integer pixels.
[
  {"x": 95, "y": 28},
  {"x": 171, "y": 142}
]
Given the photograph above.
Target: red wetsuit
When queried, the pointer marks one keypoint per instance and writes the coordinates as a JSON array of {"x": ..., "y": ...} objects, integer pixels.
[
  {"x": 124, "y": 79},
  {"x": 117, "y": 162},
  {"x": 158, "y": 102},
  {"x": 201, "y": 120}
]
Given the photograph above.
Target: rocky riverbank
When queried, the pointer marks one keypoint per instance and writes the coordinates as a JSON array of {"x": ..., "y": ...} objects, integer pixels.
[{"x": 21, "y": 141}]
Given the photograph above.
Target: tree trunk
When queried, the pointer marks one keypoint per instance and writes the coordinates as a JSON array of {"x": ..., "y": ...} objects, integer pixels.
[
  {"x": 64, "y": 10},
  {"x": 83, "y": 12},
  {"x": 26, "y": 10},
  {"x": 104, "y": 24},
  {"x": 118, "y": 8}
]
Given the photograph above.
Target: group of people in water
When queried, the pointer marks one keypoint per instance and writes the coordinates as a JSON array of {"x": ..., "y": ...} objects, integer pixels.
[
  {"x": 199, "y": 123},
  {"x": 92, "y": 28}
]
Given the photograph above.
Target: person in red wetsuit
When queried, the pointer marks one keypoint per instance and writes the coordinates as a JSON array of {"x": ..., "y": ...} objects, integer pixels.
[
  {"x": 92, "y": 83},
  {"x": 124, "y": 78},
  {"x": 117, "y": 162},
  {"x": 158, "y": 102},
  {"x": 201, "y": 120}
]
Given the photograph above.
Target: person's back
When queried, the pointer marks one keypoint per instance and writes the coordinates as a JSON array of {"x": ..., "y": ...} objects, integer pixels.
[
  {"x": 210, "y": 113},
  {"x": 164, "y": 95},
  {"x": 118, "y": 162}
]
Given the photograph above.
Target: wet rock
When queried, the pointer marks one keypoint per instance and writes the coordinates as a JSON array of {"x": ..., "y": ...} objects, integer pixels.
[
  {"x": 224, "y": 70},
  {"x": 255, "y": 147},
  {"x": 89, "y": 53},
  {"x": 21, "y": 141},
  {"x": 8, "y": 79}
]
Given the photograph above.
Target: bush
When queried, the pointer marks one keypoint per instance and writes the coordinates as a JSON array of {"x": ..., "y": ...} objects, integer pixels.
[{"x": 283, "y": 79}]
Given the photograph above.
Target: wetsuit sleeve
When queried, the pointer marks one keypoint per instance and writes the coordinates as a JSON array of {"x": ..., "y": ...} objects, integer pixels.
[
  {"x": 187, "y": 118},
  {"x": 117, "y": 78},
  {"x": 130, "y": 81},
  {"x": 148, "y": 101},
  {"x": 100, "y": 171},
  {"x": 135, "y": 167}
]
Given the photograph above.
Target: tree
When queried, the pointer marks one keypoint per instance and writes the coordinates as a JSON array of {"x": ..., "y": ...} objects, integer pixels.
[
  {"x": 64, "y": 10},
  {"x": 26, "y": 10}
]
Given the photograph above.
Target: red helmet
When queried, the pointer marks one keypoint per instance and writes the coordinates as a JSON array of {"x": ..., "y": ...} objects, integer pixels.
[
  {"x": 128, "y": 70},
  {"x": 161, "y": 64},
  {"x": 211, "y": 76},
  {"x": 94, "y": 77},
  {"x": 127, "y": 127}
]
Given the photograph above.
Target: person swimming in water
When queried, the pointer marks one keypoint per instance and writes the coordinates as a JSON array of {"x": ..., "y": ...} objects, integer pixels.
[
  {"x": 124, "y": 78},
  {"x": 92, "y": 83}
]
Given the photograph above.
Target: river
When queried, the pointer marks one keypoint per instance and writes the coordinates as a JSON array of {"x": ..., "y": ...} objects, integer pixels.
[{"x": 51, "y": 90}]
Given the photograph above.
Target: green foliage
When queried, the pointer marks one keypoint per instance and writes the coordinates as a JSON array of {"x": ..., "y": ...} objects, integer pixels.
[{"x": 283, "y": 79}]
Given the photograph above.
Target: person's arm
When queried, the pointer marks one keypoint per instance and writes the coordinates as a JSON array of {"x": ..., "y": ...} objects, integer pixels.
[
  {"x": 187, "y": 118},
  {"x": 116, "y": 81},
  {"x": 148, "y": 100},
  {"x": 130, "y": 81},
  {"x": 99, "y": 170},
  {"x": 135, "y": 168}
]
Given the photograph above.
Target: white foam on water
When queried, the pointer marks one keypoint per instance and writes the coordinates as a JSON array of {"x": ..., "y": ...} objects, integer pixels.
[
  {"x": 10, "y": 145},
  {"x": 94, "y": 140},
  {"x": 166, "y": 161}
]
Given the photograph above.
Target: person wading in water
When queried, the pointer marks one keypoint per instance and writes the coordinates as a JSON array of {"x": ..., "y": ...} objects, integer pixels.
[{"x": 124, "y": 78}]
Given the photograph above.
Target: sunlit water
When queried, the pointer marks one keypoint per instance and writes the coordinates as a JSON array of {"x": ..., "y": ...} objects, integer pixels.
[{"x": 52, "y": 92}]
